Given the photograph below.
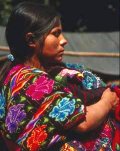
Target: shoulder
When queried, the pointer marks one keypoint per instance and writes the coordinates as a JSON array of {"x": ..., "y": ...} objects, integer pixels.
[
  {"x": 20, "y": 78},
  {"x": 20, "y": 72}
]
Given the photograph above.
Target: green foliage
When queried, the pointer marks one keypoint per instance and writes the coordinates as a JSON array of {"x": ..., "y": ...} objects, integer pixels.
[{"x": 5, "y": 9}]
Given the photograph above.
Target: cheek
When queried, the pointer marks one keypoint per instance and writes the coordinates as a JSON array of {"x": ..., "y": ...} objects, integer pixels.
[{"x": 51, "y": 44}]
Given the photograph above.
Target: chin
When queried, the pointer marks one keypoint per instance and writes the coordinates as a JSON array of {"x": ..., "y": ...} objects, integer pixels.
[{"x": 59, "y": 60}]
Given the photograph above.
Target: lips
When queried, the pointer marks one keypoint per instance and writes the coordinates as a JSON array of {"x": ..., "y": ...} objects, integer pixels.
[
  {"x": 61, "y": 51},
  {"x": 60, "y": 55}
]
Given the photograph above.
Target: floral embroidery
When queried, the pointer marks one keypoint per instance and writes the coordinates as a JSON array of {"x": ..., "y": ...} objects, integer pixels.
[
  {"x": 78, "y": 145},
  {"x": 67, "y": 147},
  {"x": 65, "y": 107},
  {"x": 20, "y": 79},
  {"x": 66, "y": 112},
  {"x": 12, "y": 71},
  {"x": 41, "y": 87},
  {"x": 55, "y": 138},
  {"x": 67, "y": 73},
  {"x": 2, "y": 105},
  {"x": 37, "y": 137},
  {"x": 103, "y": 144},
  {"x": 36, "y": 117},
  {"x": 75, "y": 66},
  {"x": 90, "y": 80},
  {"x": 70, "y": 73},
  {"x": 14, "y": 117}
]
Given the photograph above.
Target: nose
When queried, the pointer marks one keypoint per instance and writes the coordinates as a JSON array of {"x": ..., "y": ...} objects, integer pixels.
[{"x": 63, "y": 40}]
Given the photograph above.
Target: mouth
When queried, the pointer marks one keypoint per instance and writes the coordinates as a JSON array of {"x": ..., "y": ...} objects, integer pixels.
[
  {"x": 61, "y": 54},
  {"x": 61, "y": 51}
]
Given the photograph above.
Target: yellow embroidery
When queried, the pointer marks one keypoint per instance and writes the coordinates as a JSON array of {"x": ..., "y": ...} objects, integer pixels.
[{"x": 67, "y": 147}]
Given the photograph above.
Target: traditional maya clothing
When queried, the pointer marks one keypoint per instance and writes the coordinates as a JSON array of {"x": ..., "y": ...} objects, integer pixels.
[{"x": 38, "y": 110}]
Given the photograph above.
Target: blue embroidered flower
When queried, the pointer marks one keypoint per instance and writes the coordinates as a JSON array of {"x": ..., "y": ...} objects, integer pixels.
[
  {"x": 90, "y": 80},
  {"x": 2, "y": 105},
  {"x": 75, "y": 66},
  {"x": 65, "y": 107},
  {"x": 14, "y": 117}
]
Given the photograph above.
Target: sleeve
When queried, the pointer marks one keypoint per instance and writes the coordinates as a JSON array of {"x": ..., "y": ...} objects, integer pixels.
[{"x": 41, "y": 111}]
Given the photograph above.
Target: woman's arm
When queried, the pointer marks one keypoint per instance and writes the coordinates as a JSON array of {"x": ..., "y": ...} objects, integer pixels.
[{"x": 97, "y": 113}]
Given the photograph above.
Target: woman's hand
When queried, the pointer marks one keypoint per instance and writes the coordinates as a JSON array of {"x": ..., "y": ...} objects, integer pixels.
[
  {"x": 111, "y": 99},
  {"x": 97, "y": 113}
]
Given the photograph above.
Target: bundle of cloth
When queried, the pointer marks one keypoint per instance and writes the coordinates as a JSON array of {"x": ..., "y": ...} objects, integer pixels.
[{"x": 116, "y": 140}]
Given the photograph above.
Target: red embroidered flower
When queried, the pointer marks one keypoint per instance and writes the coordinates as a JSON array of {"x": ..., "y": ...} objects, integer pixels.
[
  {"x": 38, "y": 136},
  {"x": 42, "y": 86}
]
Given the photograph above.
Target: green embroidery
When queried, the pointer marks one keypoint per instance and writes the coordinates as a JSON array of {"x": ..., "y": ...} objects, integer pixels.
[{"x": 117, "y": 147}]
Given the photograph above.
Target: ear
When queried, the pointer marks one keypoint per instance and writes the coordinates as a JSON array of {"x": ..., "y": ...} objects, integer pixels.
[{"x": 30, "y": 40}]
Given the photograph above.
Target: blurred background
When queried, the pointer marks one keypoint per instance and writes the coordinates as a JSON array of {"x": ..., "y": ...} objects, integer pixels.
[
  {"x": 77, "y": 15},
  {"x": 91, "y": 28}
]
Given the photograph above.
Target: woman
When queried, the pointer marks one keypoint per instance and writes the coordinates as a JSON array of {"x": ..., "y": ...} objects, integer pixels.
[{"x": 39, "y": 109}]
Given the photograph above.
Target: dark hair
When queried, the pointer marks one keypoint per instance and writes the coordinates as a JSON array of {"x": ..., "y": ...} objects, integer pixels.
[{"x": 29, "y": 17}]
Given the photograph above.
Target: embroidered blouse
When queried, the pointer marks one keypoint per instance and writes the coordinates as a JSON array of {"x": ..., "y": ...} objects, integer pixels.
[{"x": 37, "y": 112}]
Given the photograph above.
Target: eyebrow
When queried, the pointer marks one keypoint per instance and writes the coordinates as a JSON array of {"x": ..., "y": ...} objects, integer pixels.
[{"x": 56, "y": 29}]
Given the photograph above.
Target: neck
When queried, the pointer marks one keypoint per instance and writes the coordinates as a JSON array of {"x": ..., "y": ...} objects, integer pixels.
[
  {"x": 41, "y": 64},
  {"x": 34, "y": 62}
]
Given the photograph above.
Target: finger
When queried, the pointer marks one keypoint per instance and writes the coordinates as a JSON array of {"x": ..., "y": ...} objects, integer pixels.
[{"x": 116, "y": 102}]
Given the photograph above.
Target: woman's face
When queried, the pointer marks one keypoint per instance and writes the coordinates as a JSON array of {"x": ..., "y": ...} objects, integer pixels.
[{"x": 53, "y": 48}]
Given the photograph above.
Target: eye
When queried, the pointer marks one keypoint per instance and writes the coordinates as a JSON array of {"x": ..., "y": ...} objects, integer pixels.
[{"x": 56, "y": 33}]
